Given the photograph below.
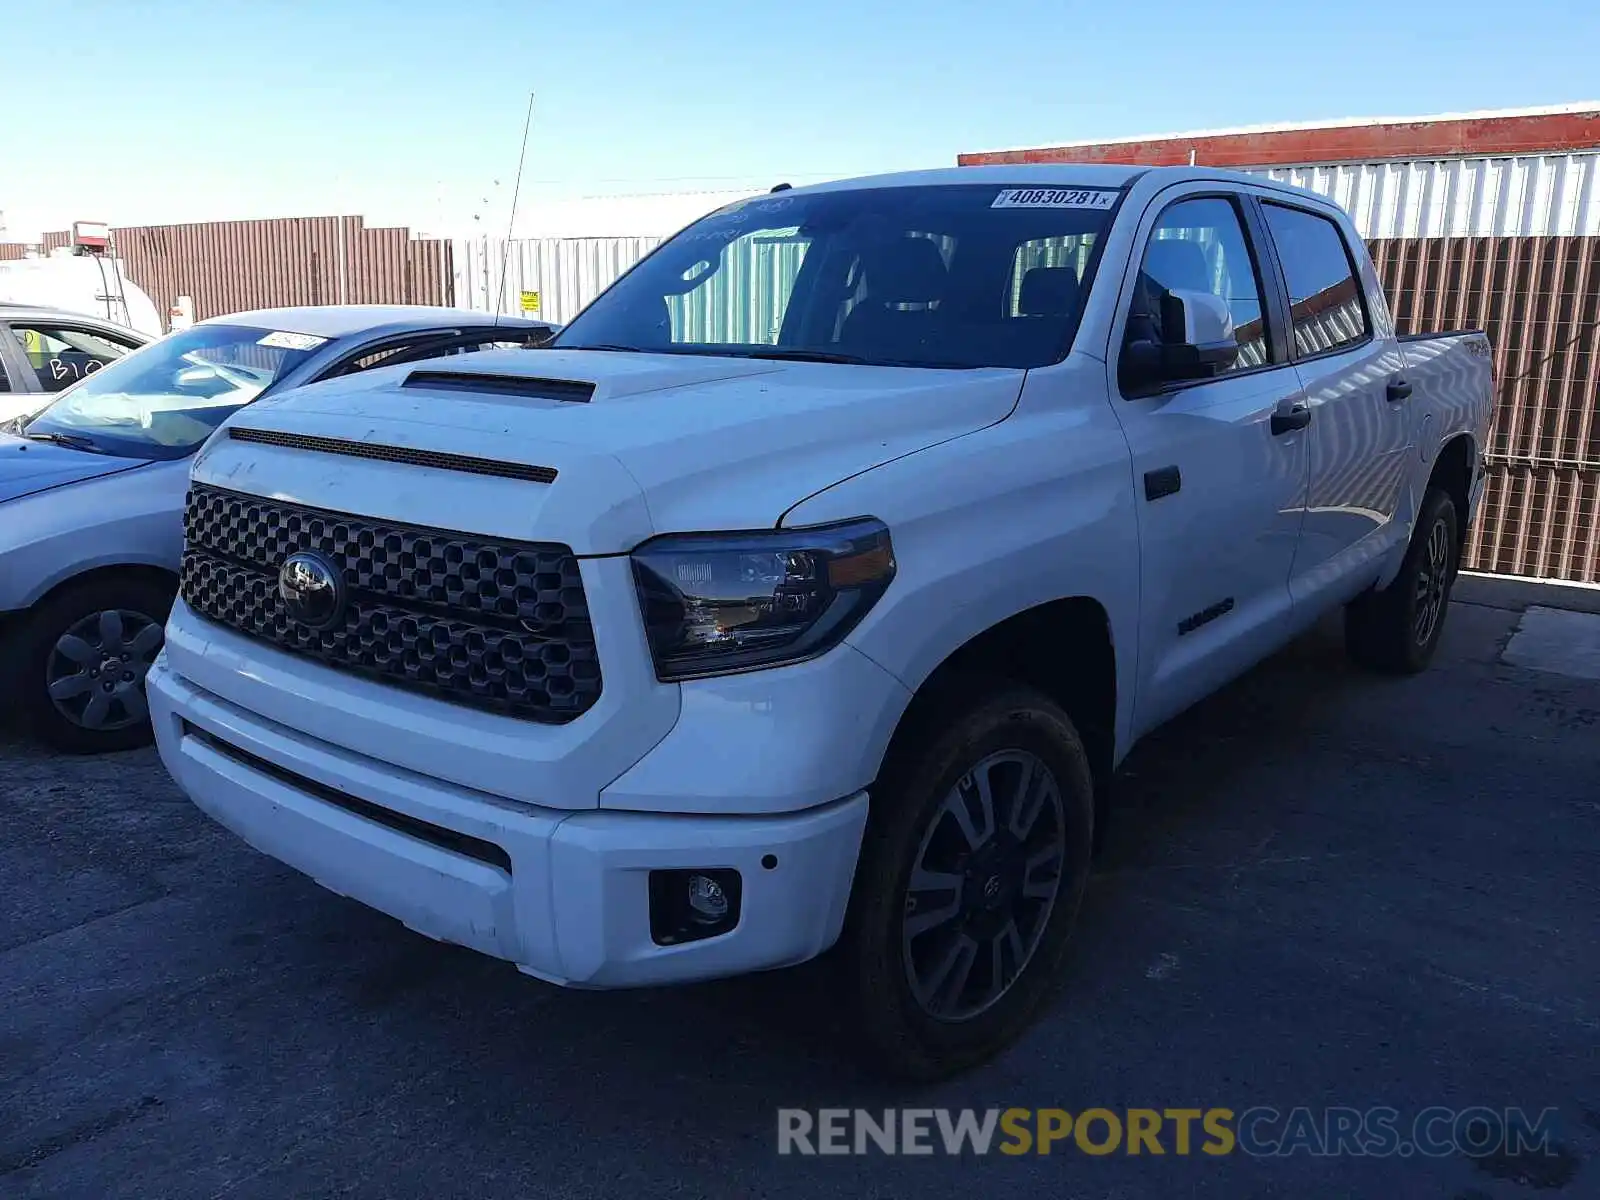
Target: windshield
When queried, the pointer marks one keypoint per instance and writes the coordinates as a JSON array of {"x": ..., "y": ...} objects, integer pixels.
[
  {"x": 164, "y": 400},
  {"x": 956, "y": 276}
]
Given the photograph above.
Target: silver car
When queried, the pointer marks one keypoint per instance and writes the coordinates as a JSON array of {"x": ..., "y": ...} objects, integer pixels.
[{"x": 92, "y": 490}]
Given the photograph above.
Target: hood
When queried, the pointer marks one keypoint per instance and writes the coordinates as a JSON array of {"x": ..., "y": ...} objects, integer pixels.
[
  {"x": 700, "y": 443},
  {"x": 27, "y": 467}
]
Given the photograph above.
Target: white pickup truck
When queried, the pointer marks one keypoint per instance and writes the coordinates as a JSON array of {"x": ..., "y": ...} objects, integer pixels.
[{"x": 809, "y": 590}]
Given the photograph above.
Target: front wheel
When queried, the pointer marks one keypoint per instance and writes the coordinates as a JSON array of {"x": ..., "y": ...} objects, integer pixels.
[
  {"x": 81, "y": 659},
  {"x": 971, "y": 874},
  {"x": 1397, "y": 630}
]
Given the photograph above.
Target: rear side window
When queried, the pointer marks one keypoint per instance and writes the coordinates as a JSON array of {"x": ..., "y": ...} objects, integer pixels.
[
  {"x": 1325, "y": 302},
  {"x": 59, "y": 357}
]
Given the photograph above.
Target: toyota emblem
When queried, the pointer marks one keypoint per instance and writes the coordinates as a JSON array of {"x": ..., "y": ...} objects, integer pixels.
[{"x": 312, "y": 590}]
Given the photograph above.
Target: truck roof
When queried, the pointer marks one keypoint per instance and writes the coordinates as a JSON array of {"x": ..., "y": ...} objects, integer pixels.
[
  {"x": 341, "y": 320},
  {"x": 1061, "y": 174}
]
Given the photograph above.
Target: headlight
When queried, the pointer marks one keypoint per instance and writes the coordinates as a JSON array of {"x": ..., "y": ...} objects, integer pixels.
[{"x": 715, "y": 604}]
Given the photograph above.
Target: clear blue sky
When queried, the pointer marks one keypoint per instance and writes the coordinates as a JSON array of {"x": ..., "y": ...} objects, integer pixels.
[{"x": 405, "y": 110}]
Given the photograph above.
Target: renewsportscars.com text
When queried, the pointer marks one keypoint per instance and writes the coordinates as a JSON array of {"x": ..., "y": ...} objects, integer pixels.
[{"x": 1261, "y": 1131}]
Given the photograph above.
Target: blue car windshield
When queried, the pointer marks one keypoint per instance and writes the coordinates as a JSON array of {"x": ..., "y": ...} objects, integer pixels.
[
  {"x": 163, "y": 400},
  {"x": 958, "y": 275}
]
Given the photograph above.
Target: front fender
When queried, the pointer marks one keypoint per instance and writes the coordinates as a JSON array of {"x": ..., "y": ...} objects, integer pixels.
[
  {"x": 130, "y": 519},
  {"x": 1037, "y": 508}
]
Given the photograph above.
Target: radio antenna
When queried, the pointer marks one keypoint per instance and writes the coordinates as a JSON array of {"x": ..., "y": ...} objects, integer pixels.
[{"x": 511, "y": 222}]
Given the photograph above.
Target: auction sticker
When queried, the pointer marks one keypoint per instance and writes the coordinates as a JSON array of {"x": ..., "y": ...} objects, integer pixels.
[
  {"x": 281, "y": 340},
  {"x": 1051, "y": 197}
]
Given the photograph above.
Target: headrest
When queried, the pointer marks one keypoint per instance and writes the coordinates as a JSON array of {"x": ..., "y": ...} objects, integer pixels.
[
  {"x": 1178, "y": 264},
  {"x": 1049, "y": 292},
  {"x": 907, "y": 270}
]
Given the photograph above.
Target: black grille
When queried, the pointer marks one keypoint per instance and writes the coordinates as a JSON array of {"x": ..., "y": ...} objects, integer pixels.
[{"x": 502, "y": 626}]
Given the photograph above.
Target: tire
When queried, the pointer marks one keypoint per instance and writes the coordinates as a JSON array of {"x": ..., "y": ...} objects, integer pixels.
[
  {"x": 1396, "y": 631},
  {"x": 113, "y": 621},
  {"x": 914, "y": 1021}
]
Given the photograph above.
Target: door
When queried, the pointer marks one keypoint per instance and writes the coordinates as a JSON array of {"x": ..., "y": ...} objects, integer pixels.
[
  {"x": 1219, "y": 464},
  {"x": 1360, "y": 437}
]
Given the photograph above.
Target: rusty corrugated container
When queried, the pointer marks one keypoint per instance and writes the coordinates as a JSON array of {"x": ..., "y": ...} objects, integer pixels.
[
  {"x": 13, "y": 251},
  {"x": 230, "y": 266}
]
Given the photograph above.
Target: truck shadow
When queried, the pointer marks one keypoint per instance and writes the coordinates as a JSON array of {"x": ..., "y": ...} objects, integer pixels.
[{"x": 750, "y": 1045}]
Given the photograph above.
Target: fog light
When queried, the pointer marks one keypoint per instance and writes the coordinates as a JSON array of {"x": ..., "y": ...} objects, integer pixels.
[
  {"x": 708, "y": 903},
  {"x": 688, "y": 905}
]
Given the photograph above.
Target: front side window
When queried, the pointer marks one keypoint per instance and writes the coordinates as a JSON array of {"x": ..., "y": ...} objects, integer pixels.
[
  {"x": 163, "y": 400},
  {"x": 952, "y": 276},
  {"x": 1325, "y": 303},
  {"x": 1199, "y": 246},
  {"x": 60, "y": 356}
]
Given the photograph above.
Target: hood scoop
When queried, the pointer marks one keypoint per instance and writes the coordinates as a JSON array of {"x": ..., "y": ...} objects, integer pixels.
[
  {"x": 442, "y": 460},
  {"x": 569, "y": 391}
]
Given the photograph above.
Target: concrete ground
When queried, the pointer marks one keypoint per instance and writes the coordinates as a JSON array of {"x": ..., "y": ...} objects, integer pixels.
[{"x": 1324, "y": 889}]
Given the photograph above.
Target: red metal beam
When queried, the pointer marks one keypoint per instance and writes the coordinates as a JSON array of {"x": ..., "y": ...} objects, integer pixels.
[{"x": 1545, "y": 133}]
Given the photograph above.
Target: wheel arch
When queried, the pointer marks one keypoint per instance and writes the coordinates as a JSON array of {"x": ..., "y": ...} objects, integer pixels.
[
  {"x": 1454, "y": 469},
  {"x": 152, "y": 572},
  {"x": 1064, "y": 648}
]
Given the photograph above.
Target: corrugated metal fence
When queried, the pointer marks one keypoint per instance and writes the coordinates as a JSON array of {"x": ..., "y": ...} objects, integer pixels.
[
  {"x": 230, "y": 266},
  {"x": 566, "y": 273}
]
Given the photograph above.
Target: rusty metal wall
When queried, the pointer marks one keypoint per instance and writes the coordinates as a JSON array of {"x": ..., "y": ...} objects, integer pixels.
[
  {"x": 1508, "y": 132},
  {"x": 1539, "y": 300},
  {"x": 13, "y": 251},
  {"x": 230, "y": 266}
]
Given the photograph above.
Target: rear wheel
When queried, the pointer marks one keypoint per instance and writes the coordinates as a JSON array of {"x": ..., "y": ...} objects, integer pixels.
[
  {"x": 81, "y": 659},
  {"x": 1397, "y": 630},
  {"x": 971, "y": 875}
]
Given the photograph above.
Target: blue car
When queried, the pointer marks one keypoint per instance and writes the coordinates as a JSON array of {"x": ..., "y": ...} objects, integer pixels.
[{"x": 92, "y": 488}]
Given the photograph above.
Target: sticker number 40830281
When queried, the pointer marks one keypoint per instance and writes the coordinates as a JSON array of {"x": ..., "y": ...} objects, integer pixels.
[{"x": 1054, "y": 198}]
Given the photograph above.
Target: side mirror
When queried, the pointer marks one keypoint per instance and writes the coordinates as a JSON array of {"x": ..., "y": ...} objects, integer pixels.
[{"x": 1197, "y": 342}]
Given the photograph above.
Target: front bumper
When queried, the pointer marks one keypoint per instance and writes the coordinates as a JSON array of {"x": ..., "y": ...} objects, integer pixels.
[{"x": 562, "y": 894}]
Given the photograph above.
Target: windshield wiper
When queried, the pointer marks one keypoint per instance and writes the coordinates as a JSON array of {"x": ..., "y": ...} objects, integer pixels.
[
  {"x": 601, "y": 346},
  {"x": 76, "y": 441}
]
